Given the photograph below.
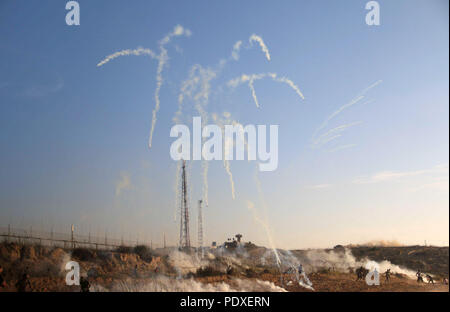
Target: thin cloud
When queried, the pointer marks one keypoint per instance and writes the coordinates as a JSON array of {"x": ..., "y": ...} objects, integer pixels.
[
  {"x": 385, "y": 176},
  {"x": 319, "y": 186},
  {"x": 438, "y": 184}
]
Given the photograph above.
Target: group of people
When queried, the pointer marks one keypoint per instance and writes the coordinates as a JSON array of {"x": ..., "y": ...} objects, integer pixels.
[
  {"x": 361, "y": 272},
  {"x": 429, "y": 278}
]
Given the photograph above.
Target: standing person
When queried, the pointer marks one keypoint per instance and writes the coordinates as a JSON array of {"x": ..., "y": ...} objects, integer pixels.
[
  {"x": 360, "y": 273},
  {"x": 419, "y": 276},
  {"x": 387, "y": 275},
  {"x": 84, "y": 283},
  {"x": 229, "y": 269},
  {"x": 430, "y": 279},
  {"x": 300, "y": 269},
  {"x": 2, "y": 279},
  {"x": 23, "y": 284}
]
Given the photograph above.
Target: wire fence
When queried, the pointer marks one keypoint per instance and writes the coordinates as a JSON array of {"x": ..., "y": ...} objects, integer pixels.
[{"x": 70, "y": 240}]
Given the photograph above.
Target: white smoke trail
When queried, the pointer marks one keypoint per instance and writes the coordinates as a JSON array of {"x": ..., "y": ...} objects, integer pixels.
[
  {"x": 340, "y": 109},
  {"x": 226, "y": 163},
  {"x": 235, "y": 52},
  {"x": 253, "y": 77},
  {"x": 137, "y": 52},
  {"x": 198, "y": 87},
  {"x": 291, "y": 84},
  {"x": 280, "y": 258},
  {"x": 205, "y": 166},
  {"x": 347, "y": 105},
  {"x": 251, "y": 207},
  {"x": 263, "y": 46},
  {"x": 337, "y": 129},
  {"x": 371, "y": 86},
  {"x": 162, "y": 58}
]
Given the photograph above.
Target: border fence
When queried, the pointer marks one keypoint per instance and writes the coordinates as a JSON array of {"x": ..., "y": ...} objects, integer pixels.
[{"x": 69, "y": 240}]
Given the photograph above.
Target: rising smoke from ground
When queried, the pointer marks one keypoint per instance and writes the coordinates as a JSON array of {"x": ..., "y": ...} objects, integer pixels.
[{"x": 166, "y": 284}]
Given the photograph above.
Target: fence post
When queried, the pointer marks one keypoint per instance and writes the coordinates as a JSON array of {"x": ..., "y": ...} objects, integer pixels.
[
  {"x": 73, "y": 241},
  {"x": 9, "y": 232}
]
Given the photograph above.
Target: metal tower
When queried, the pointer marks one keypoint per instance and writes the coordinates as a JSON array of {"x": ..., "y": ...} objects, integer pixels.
[
  {"x": 200, "y": 227},
  {"x": 184, "y": 211}
]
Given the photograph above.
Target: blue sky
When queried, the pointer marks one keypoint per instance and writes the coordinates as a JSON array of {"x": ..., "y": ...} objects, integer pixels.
[{"x": 71, "y": 132}]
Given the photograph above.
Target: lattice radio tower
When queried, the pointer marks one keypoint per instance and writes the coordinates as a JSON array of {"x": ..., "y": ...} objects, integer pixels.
[
  {"x": 184, "y": 211},
  {"x": 200, "y": 228}
]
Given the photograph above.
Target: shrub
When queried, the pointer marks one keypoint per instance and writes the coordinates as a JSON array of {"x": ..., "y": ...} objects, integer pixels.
[
  {"x": 83, "y": 254},
  {"x": 207, "y": 271},
  {"x": 143, "y": 252},
  {"x": 124, "y": 249},
  {"x": 250, "y": 273}
]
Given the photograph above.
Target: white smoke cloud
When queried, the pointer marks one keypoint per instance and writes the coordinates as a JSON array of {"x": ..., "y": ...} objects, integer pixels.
[
  {"x": 314, "y": 260},
  {"x": 235, "y": 52},
  {"x": 165, "y": 284}
]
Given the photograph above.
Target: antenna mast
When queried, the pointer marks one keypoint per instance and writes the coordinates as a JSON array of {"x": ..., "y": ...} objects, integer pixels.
[
  {"x": 184, "y": 211},
  {"x": 200, "y": 227}
]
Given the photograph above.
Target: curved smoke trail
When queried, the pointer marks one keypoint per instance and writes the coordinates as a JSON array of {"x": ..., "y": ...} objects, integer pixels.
[
  {"x": 261, "y": 44},
  {"x": 136, "y": 52},
  {"x": 250, "y": 79}
]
